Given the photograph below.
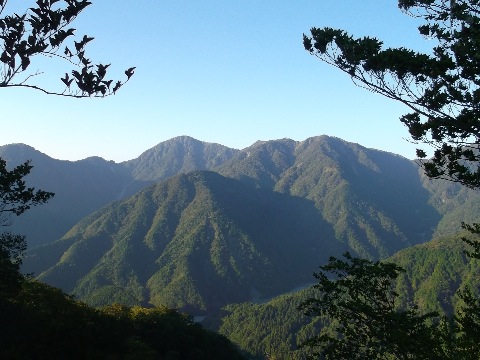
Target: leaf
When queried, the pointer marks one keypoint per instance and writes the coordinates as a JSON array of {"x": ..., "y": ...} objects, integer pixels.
[
  {"x": 117, "y": 86},
  {"x": 66, "y": 80},
  {"x": 129, "y": 72},
  {"x": 25, "y": 63},
  {"x": 4, "y": 58}
]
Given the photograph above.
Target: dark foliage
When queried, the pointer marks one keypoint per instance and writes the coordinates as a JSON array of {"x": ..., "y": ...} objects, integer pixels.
[
  {"x": 44, "y": 29},
  {"x": 15, "y": 196},
  {"x": 42, "y": 322},
  {"x": 359, "y": 299},
  {"x": 441, "y": 89}
]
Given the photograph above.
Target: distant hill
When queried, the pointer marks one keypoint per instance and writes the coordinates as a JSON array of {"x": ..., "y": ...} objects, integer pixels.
[
  {"x": 232, "y": 234},
  {"x": 323, "y": 169},
  {"x": 435, "y": 271},
  {"x": 80, "y": 188},
  {"x": 374, "y": 200}
]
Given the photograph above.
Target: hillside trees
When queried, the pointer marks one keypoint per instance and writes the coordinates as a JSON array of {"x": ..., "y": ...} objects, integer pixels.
[
  {"x": 15, "y": 199},
  {"x": 45, "y": 30},
  {"x": 358, "y": 297},
  {"x": 41, "y": 322},
  {"x": 442, "y": 91}
]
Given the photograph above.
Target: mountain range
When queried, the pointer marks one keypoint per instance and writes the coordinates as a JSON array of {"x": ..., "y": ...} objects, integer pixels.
[
  {"x": 83, "y": 186},
  {"x": 198, "y": 226}
]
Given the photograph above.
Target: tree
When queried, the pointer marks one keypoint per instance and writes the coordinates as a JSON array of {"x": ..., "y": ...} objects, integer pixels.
[
  {"x": 12, "y": 248},
  {"x": 15, "y": 199},
  {"x": 442, "y": 89},
  {"x": 358, "y": 297},
  {"x": 44, "y": 30}
]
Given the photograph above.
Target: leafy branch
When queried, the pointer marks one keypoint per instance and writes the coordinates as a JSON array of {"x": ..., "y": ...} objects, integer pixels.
[
  {"x": 442, "y": 89},
  {"x": 46, "y": 30}
]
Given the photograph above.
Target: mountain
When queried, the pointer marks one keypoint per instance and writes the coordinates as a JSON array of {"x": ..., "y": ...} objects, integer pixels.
[
  {"x": 374, "y": 200},
  {"x": 329, "y": 171},
  {"x": 434, "y": 272},
  {"x": 201, "y": 240},
  {"x": 84, "y": 186},
  {"x": 41, "y": 322},
  {"x": 178, "y": 156},
  {"x": 455, "y": 203},
  {"x": 80, "y": 188},
  {"x": 272, "y": 329},
  {"x": 197, "y": 241},
  {"x": 199, "y": 227}
]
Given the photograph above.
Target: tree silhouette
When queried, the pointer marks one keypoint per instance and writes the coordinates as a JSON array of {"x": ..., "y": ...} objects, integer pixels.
[
  {"x": 442, "y": 89},
  {"x": 45, "y": 30},
  {"x": 359, "y": 299}
]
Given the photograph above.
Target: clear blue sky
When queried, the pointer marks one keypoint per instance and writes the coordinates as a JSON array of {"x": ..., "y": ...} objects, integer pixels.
[{"x": 224, "y": 71}]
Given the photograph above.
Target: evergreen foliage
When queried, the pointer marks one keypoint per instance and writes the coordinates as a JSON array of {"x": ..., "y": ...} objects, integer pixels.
[
  {"x": 441, "y": 89},
  {"x": 435, "y": 275},
  {"x": 41, "y": 322},
  {"x": 177, "y": 156},
  {"x": 197, "y": 242},
  {"x": 271, "y": 329},
  {"x": 373, "y": 189}
]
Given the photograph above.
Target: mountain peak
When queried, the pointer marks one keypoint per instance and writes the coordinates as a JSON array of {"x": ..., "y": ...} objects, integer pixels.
[
  {"x": 19, "y": 153},
  {"x": 178, "y": 155}
]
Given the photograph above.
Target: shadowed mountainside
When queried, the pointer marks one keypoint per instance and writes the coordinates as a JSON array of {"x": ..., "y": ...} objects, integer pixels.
[
  {"x": 84, "y": 186},
  {"x": 197, "y": 242}
]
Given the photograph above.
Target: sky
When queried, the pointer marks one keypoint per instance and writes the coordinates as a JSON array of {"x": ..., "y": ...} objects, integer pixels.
[{"x": 225, "y": 71}]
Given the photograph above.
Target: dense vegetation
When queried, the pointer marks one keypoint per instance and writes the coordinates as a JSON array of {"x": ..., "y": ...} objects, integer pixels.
[
  {"x": 189, "y": 243},
  {"x": 94, "y": 182},
  {"x": 434, "y": 274},
  {"x": 41, "y": 322},
  {"x": 441, "y": 90},
  {"x": 271, "y": 329}
]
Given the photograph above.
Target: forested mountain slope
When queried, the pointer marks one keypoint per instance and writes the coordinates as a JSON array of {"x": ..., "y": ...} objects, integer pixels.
[
  {"x": 80, "y": 188},
  {"x": 374, "y": 200},
  {"x": 198, "y": 242},
  {"x": 434, "y": 272},
  {"x": 84, "y": 186},
  {"x": 178, "y": 156},
  {"x": 323, "y": 169},
  {"x": 41, "y": 322}
]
